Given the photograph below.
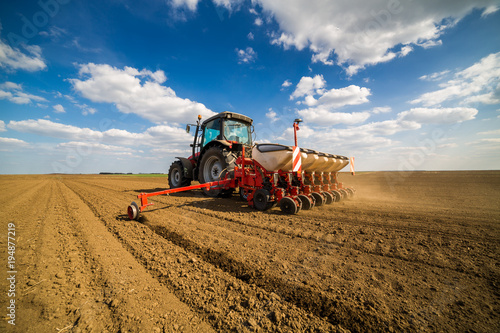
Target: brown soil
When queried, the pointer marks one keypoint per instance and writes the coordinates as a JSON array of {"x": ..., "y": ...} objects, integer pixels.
[{"x": 412, "y": 252}]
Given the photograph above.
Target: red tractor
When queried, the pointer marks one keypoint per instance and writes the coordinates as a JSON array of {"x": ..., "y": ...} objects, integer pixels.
[{"x": 217, "y": 144}]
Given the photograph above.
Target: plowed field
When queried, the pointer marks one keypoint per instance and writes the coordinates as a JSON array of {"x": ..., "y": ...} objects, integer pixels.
[{"x": 412, "y": 252}]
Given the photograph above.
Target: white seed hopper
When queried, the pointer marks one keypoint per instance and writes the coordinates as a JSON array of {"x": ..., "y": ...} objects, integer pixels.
[{"x": 273, "y": 157}]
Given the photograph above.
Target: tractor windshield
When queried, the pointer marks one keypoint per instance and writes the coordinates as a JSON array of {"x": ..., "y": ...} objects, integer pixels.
[{"x": 237, "y": 131}]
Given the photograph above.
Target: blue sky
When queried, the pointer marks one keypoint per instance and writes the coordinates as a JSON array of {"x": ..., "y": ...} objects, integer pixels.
[{"x": 92, "y": 86}]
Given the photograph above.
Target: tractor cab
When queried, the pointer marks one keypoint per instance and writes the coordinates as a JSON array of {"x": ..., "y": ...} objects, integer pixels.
[
  {"x": 218, "y": 142},
  {"x": 226, "y": 128}
]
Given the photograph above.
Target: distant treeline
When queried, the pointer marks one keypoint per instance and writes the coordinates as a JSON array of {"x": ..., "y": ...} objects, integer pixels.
[{"x": 130, "y": 173}]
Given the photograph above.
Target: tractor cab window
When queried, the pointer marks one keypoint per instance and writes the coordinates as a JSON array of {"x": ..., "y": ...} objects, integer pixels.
[
  {"x": 237, "y": 131},
  {"x": 211, "y": 132}
]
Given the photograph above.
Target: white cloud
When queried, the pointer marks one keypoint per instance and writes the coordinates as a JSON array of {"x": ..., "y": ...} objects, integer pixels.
[
  {"x": 190, "y": 4},
  {"x": 250, "y": 36},
  {"x": 435, "y": 76},
  {"x": 258, "y": 21},
  {"x": 365, "y": 32},
  {"x": 494, "y": 132},
  {"x": 246, "y": 56},
  {"x": 286, "y": 84},
  {"x": 2, "y": 126},
  {"x": 11, "y": 143},
  {"x": 12, "y": 58},
  {"x": 228, "y": 4},
  {"x": 153, "y": 136},
  {"x": 381, "y": 109},
  {"x": 149, "y": 99},
  {"x": 55, "y": 130},
  {"x": 88, "y": 110},
  {"x": 490, "y": 10},
  {"x": 324, "y": 117},
  {"x": 438, "y": 115},
  {"x": 271, "y": 115},
  {"x": 308, "y": 86},
  {"x": 59, "y": 108},
  {"x": 322, "y": 109},
  {"x": 479, "y": 83},
  {"x": 98, "y": 148},
  {"x": 336, "y": 98},
  {"x": 15, "y": 94}
]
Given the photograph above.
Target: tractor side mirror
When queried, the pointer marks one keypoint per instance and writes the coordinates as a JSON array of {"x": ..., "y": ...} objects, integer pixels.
[{"x": 188, "y": 128}]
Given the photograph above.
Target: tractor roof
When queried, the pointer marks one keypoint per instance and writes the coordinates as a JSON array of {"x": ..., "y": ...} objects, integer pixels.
[{"x": 230, "y": 115}]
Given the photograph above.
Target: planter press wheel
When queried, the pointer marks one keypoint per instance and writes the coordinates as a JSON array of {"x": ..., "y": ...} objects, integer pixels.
[
  {"x": 307, "y": 203},
  {"x": 345, "y": 194},
  {"x": 318, "y": 198},
  {"x": 350, "y": 191},
  {"x": 336, "y": 196},
  {"x": 288, "y": 206},
  {"x": 133, "y": 211},
  {"x": 328, "y": 198},
  {"x": 261, "y": 200}
]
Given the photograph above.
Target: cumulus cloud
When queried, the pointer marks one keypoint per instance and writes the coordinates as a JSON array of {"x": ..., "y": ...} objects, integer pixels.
[
  {"x": 479, "y": 83},
  {"x": 59, "y": 108},
  {"x": 365, "y": 32},
  {"x": 153, "y": 136},
  {"x": 190, "y": 4},
  {"x": 336, "y": 98},
  {"x": 13, "y": 58},
  {"x": 327, "y": 118},
  {"x": 381, "y": 109},
  {"x": 308, "y": 86},
  {"x": 51, "y": 129},
  {"x": 438, "y": 115},
  {"x": 323, "y": 104},
  {"x": 14, "y": 93},
  {"x": 125, "y": 88},
  {"x": 98, "y": 148},
  {"x": 246, "y": 56},
  {"x": 359, "y": 33},
  {"x": 2, "y": 126},
  {"x": 434, "y": 76},
  {"x": 271, "y": 115},
  {"x": 286, "y": 84},
  {"x": 11, "y": 143}
]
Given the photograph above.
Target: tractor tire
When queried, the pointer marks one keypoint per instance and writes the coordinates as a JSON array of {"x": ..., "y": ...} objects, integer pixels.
[
  {"x": 176, "y": 176},
  {"x": 214, "y": 165}
]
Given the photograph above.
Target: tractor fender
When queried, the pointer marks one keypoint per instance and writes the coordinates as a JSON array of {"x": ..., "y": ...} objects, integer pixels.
[
  {"x": 187, "y": 167},
  {"x": 222, "y": 143}
]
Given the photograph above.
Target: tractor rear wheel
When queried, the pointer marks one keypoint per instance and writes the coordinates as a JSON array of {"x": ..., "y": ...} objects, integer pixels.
[
  {"x": 176, "y": 176},
  {"x": 214, "y": 165}
]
